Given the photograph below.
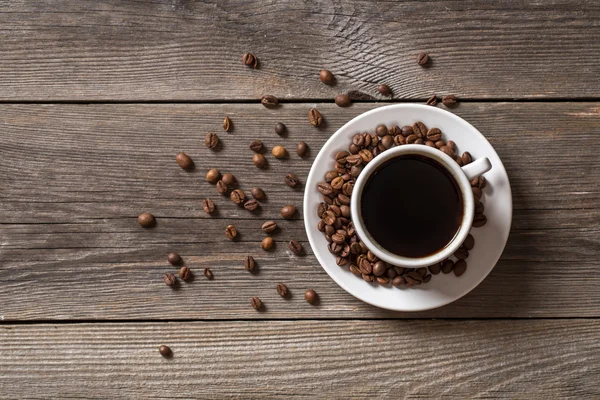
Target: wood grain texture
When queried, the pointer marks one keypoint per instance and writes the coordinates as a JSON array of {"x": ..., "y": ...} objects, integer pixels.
[
  {"x": 184, "y": 50},
  {"x": 538, "y": 359},
  {"x": 74, "y": 178}
]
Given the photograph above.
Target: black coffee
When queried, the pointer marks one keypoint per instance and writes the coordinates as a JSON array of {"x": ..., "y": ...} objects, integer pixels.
[{"x": 412, "y": 206}]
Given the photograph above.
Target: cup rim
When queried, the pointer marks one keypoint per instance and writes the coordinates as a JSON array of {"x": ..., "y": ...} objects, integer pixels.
[{"x": 463, "y": 184}]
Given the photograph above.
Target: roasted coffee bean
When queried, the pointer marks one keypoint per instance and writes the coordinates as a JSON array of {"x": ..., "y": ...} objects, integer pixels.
[
  {"x": 435, "y": 268},
  {"x": 146, "y": 220},
  {"x": 311, "y": 296},
  {"x": 321, "y": 225},
  {"x": 251, "y": 205},
  {"x": 269, "y": 226},
  {"x": 269, "y": 101},
  {"x": 211, "y": 140},
  {"x": 358, "y": 139},
  {"x": 185, "y": 273},
  {"x": 407, "y": 130},
  {"x": 354, "y": 159},
  {"x": 460, "y": 267},
  {"x": 466, "y": 158},
  {"x": 449, "y": 100},
  {"x": 321, "y": 208},
  {"x": 335, "y": 209},
  {"x": 288, "y": 211},
  {"x": 391, "y": 273},
  {"x": 365, "y": 266},
  {"x": 399, "y": 140},
  {"x": 348, "y": 188},
  {"x": 314, "y": 117},
  {"x": 256, "y": 303},
  {"x": 280, "y": 128},
  {"x": 249, "y": 263},
  {"x": 354, "y": 269},
  {"x": 291, "y": 180},
  {"x": 227, "y": 124},
  {"x": 398, "y": 281},
  {"x": 469, "y": 242},
  {"x": 341, "y": 261},
  {"x": 479, "y": 220},
  {"x": 256, "y": 146},
  {"x": 295, "y": 246},
  {"x": 355, "y": 248},
  {"x": 208, "y": 206},
  {"x": 267, "y": 243},
  {"x": 279, "y": 152},
  {"x": 337, "y": 183},
  {"x": 419, "y": 141},
  {"x": 326, "y": 77},
  {"x": 343, "y": 199},
  {"x": 184, "y": 161},
  {"x": 371, "y": 256},
  {"x": 432, "y": 101},
  {"x": 165, "y": 351},
  {"x": 381, "y": 130},
  {"x": 228, "y": 179},
  {"x": 258, "y": 193},
  {"x": 379, "y": 268},
  {"x": 447, "y": 266},
  {"x": 356, "y": 170},
  {"x": 335, "y": 248},
  {"x": 451, "y": 145},
  {"x": 302, "y": 149},
  {"x": 213, "y": 175},
  {"x": 419, "y": 129},
  {"x": 434, "y": 134},
  {"x": 394, "y": 130},
  {"x": 353, "y": 149},
  {"x": 422, "y": 58},
  {"x": 327, "y": 199},
  {"x": 174, "y": 258},
  {"x": 259, "y": 160},
  {"x": 338, "y": 238},
  {"x": 458, "y": 160},
  {"x": 446, "y": 150},
  {"x": 341, "y": 157},
  {"x": 461, "y": 253},
  {"x": 345, "y": 210},
  {"x": 413, "y": 278},
  {"x": 411, "y": 139},
  {"x": 426, "y": 278},
  {"x": 422, "y": 271},
  {"x": 237, "y": 196},
  {"x": 387, "y": 141},
  {"x": 366, "y": 156},
  {"x": 382, "y": 280},
  {"x": 479, "y": 208},
  {"x": 384, "y": 90},
  {"x": 477, "y": 192},
  {"x": 479, "y": 182},
  {"x": 231, "y": 232},
  {"x": 399, "y": 270},
  {"x": 208, "y": 274},
  {"x": 169, "y": 279},
  {"x": 324, "y": 188},
  {"x": 329, "y": 217},
  {"x": 343, "y": 100},
  {"x": 439, "y": 144},
  {"x": 282, "y": 290},
  {"x": 430, "y": 144},
  {"x": 250, "y": 60},
  {"x": 222, "y": 187}
]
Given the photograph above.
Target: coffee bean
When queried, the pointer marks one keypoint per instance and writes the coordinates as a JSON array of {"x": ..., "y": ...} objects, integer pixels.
[
  {"x": 213, "y": 175},
  {"x": 399, "y": 140},
  {"x": 329, "y": 217},
  {"x": 384, "y": 90},
  {"x": 382, "y": 280},
  {"x": 314, "y": 117},
  {"x": 411, "y": 139},
  {"x": 211, "y": 140},
  {"x": 256, "y": 303},
  {"x": 479, "y": 208},
  {"x": 479, "y": 220},
  {"x": 291, "y": 180},
  {"x": 208, "y": 206},
  {"x": 256, "y": 146},
  {"x": 477, "y": 192},
  {"x": 282, "y": 290},
  {"x": 279, "y": 152},
  {"x": 399, "y": 270},
  {"x": 184, "y": 161},
  {"x": 413, "y": 278},
  {"x": 280, "y": 128},
  {"x": 387, "y": 141},
  {"x": 479, "y": 182},
  {"x": 146, "y": 220},
  {"x": 269, "y": 226},
  {"x": 379, "y": 268},
  {"x": 185, "y": 273},
  {"x": 231, "y": 232},
  {"x": 422, "y": 271},
  {"x": 426, "y": 278},
  {"x": 227, "y": 125},
  {"x": 446, "y": 150},
  {"x": 250, "y": 60},
  {"x": 439, "y": 144},
  {"x": 391, "y": 273},
  {"x": 311, "y": 296},
  {"x": 435, "y": 268},
  {"x": 434, "y": 134},
  {"x": 251, "y": 205},
  {"x": 466, "y": 158},
  {"x": 295, "y": 246},
  {"x": 469, "y": 242},
  {"x": 447, "y": 266},
  {"x": 259, "y": 160},
  {"x": 169, "y": 279},
  {"x": 461, "y": 253},
  {"x": 326, "y": 77},
  {"x": 365, "y": 266},
  {"x": 419, "y": 129},
  {"x": 269, "y": 101},
  {"x": 342, "y": 100},
  {"x": 341, "y": 261},
  {"x": 432, "y": 101},
  {"x": 302, "y": 149},
  {"x": 430, "y": 144},
  {"x": 208, "y": 274},
  {"x": 460, "y": 267},
  {"x": 321, "y": 208},
  {"x": 237, "y": 196},
  {"x": 267, "y": 243},
  {"x": 165, "y": 351},
  {"x": 288, "y": 211},
  {"x": 419, "y": 141},
  {"x": 249, "y": 263},
  {"x": 451, "y": 145},
  {"x": 222, "y": 187},
  {"x": 398, "y": 281},
  {"x": 354, "y": 269},
  {"x": 324, "y": 188},
  {"x": 407, "y": 131},
  {"x": 422, "y": 58},
  {"x": 449, "y": 100},
  {"x": 337, "y": 183},
  {"x": 258, "y": 193},
  {"x": 381, "y": 130},
  {"x": 174, "y": 258}
]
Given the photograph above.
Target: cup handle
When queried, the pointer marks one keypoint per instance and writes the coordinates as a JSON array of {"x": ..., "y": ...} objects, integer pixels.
[{"x": 477, "y": 167}]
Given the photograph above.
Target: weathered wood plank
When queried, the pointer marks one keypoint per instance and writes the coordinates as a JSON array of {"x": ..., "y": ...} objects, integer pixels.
[
  {"x": 74, "y": 178},
  {"x": 304, "y": 359},
  {"x": 141, "y": 50}
]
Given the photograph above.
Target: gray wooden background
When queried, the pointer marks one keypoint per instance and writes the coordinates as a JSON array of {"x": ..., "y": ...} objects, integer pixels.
[{"x": 96, "y": 98}]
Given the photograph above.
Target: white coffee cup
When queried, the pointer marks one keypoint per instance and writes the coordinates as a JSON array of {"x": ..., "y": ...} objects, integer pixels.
[{"x": 462, "y": 177}]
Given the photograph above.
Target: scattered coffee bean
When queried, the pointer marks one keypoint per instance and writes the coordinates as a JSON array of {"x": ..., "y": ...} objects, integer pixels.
[
  {"x": 447, "y": 266},
  {"x": 184, "y": 161},
  {"x": 208, "y": 274},
  {"x": 448, "y": 151},
  {"x": 231, "y": 232},
  {"x": 460, "y": 267},
  {"x": 165, "y": 351},
  {"x": 479, "y": 208},
  {"x": 213, "y": 175},
  {"x": 314, "y": 117},
  {"x": 269, "y": 101},
  {"x": 477, "y": 192},
  {"x": 267, "y": 243},
  {"x": 434, "y": 134},
  {"x": 466, "y": 158},
  {"x": 311, "y": 296},
  {"x": 249, "y": 263},
  {"x": 282, "y": 290},
  {"x": 279, "y": 152},
  {"x": 432, "y": 101},
  {"x": 288, "y": 211},
  {"x": 251, "y": 205},
  {"x": 211, "y": 140},
  {"x": 237, "y": 196},
  {"x": 451, "y": 145},
  {"x": 426, "y": 278},
  {"x": 326, "y": 77},
  {"x": 379, "y": 268},
  {"x": 227, "y": 124},
  {"x": 146, "y": 220},
  {"x": 258, "y": 193},
  {"x": 291, "y": 180},
  {"x": 222, "y": 187},
  {"x": 449, "y": 100},
  {"x": 269, "y": 226},
  {"x": 413, "y": 277},
  {"x": 419, "y": 129},
  {"x": 461, "y": 253},
  {"x": 302, "y": 149},
  {"x": 435, "y": 268},
  {"x": 169, "y": 279},
  {"x": 479, "y": 182},
  {"x": 384, "y": 90},
  {"x": 381, "y": 130},
  {"x": 185, "y": 273},
  {"x": 398, "y": 281},
  {"x": 422, "y": 58},
  {"x": 280, "y": 128},
  {"x": 256, "y": 303},
  {"x": 422, "y": 271},
  {"x": 250, "y": 60},
  {"x": 295, "y": 246},
  {"x": 208, "y": 206},
  {"x": 259, "y": 160},
  {"x": 174, "y": 258},
  {"x": 406, "y": 131},
  {"x": 342, "y": 100},
  {"x": 228, "y": 179},
  {"x": 256, "y": 146},
  {"x": 382, "y": 280},
  {"x": 469, "y": 242},
  {"x": 479, "y": 220}
]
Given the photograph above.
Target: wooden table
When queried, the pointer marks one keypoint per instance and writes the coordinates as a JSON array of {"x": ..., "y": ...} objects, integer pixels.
[{"x": 98, "y": 97}]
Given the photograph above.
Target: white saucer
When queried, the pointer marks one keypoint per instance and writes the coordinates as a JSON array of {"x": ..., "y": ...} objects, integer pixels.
[{"x": 489, "y": 239}]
